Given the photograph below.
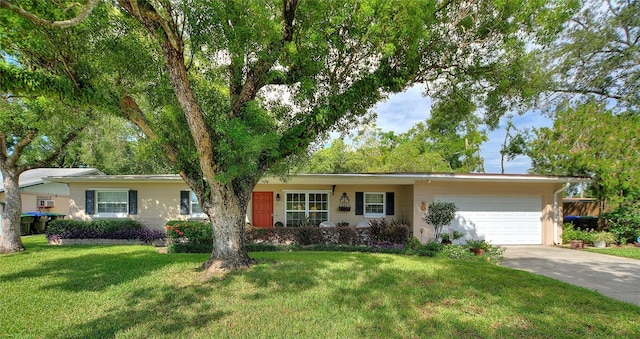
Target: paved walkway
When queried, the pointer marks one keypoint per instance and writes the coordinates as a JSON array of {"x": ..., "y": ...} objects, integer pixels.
[{"x": 615, "y": 277}]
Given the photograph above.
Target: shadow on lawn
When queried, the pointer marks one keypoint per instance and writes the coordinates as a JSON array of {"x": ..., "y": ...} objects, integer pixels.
[
  {"x": 96, "y": 269},
  {"x": 158, "y": 311},
  {"x": 383, "y": 295}
]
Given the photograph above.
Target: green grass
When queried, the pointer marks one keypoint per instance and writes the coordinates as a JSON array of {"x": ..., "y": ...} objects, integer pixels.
[
  {"x": 627, "y": 252},
  {"x": 133, "y": 292}
]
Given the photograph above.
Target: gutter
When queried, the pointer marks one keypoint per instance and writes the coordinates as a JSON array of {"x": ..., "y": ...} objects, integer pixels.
[{"x": 556, "y": 213}]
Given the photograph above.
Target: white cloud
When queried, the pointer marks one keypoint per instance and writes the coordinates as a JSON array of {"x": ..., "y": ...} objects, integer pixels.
[{"x": 403, "y": 110}]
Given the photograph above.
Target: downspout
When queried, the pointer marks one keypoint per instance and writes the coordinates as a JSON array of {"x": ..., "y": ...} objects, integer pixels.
[{"x": 556, "y": 213}]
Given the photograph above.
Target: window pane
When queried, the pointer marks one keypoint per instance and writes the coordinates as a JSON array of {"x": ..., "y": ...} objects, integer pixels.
[
  {"x": 374, "y": 209},
  {"x": 318, "y": 202},
  {"x": 374, "y": 203},
  {"x": 316, "y": 218},
  {"x": 195, "y": 206},
  {"x": 296, "y": 202},
  {"x": 295, "y": 218},
  {"x": 112, "y": 202},
  {"x": 374, "y": 198}
]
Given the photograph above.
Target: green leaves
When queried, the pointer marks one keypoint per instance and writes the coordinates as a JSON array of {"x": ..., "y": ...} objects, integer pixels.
[{"x": 589, "y": 140}]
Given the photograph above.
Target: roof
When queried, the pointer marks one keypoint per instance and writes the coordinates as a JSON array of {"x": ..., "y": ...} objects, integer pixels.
[
  {"x": 334, "y": 179},
  {"x": 36, "y": 176}
]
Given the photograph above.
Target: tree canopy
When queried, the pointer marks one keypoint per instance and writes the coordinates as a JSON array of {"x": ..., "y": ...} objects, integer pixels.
[
  {"x": 590, "y": 140},
  {"x": 598, "y": 55},
  {"x": 230, "y": 90}
]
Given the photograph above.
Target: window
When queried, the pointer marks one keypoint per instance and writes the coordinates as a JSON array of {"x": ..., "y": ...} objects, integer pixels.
[
  {"x": 189, "y": 205},
  {"x": 196, "y": 211},
  {"x": 302, "y": 208},
  {"x": 112, "y": 203},
  {"x": 374, "y": 204}
]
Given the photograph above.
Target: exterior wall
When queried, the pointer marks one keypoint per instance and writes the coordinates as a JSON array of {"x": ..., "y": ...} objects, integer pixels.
[
  {"x": 157, "y": 202},
  {"x": 403, "y": 200},
  {"x": 425, "y": 191},
  {"x": 581, "y": 207},
  {"x": 30, "y": 197},
  {"x": 29, "y": 203}
]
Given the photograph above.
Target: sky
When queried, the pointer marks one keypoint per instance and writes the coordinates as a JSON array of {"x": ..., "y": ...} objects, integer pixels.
[{"x": 403, "y": 110}]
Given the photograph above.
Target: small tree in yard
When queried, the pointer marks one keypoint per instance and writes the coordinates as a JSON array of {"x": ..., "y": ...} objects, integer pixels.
[{"x": 440, "y": 214}]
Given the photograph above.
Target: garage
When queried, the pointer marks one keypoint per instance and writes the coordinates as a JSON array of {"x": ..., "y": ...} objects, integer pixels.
[{"x": 512, "y": 220}]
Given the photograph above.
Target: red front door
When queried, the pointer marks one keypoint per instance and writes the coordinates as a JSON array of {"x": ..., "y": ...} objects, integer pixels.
[{"x": 262, "y": 209}]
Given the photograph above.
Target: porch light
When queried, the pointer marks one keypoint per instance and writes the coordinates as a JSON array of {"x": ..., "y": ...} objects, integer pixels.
[
  {"x": 344, "y": 203},
  {"x": 277, "y": 196}
]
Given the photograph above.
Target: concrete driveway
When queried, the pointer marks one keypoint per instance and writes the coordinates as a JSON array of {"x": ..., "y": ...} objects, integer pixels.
[{"x": 614, "y": 277}]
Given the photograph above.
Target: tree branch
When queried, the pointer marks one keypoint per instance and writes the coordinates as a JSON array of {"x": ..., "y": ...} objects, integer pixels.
[
  {"x": 133, "y": 113},
  {"x": 17, "y": 149},
  {"x": 46, "y": 162},
  {"x": 256, "y": 77},
  {"x": 47, "y": 23}
]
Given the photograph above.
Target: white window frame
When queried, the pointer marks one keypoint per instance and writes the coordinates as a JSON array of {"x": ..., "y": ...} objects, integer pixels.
[
  {"x": 384, "y": 205},
  {"x": 107, "y": 214},
  {"x": 305, "y": 208},
  {"x": 193, "y": 200}
]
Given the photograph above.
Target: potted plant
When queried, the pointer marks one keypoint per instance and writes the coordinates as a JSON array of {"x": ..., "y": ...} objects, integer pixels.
[
  {"x": 573, "y": 236},
  {"x": 602, "y": 239},
  {"x": 478, "y": 247}
]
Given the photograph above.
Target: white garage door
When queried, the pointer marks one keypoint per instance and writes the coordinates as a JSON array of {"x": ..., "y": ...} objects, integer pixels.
[{"x": 501, "y": 220}]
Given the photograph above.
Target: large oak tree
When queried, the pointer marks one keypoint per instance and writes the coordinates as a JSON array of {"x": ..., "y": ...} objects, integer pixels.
[{"x": 231, "y": 89}]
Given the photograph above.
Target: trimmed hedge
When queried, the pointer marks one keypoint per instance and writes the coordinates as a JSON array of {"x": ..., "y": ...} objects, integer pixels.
[
  {"x": 195, "y": 236},
  {"x": 101, "y": 229},
  {"x": 379, "y": 234}
]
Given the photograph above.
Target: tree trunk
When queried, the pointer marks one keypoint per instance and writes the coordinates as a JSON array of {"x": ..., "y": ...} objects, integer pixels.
[
  {"x": 10, "y": 240},
  {"x": 227, "y": 211}
]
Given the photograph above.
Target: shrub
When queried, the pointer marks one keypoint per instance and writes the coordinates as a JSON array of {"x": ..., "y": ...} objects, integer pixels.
[
  {"x": 624, "y": 222},
  {"x": 346, "y": 235},
  {"x": 455, "y": 252},
  {"x": 395, "y": 232},
  {"x": 101, "y": 229},
  {"x": 607, "y": 237},
  {"x": 189, "y": 236},
  {"x": 309, "y": 235},
  {"x": 569, "y": 232},
  {"x": 430, "y": 249}
]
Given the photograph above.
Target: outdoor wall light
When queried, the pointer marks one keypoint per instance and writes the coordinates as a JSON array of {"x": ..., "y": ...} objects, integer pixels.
[
  {"x": 277, "y": 196},
  {"x": 344, "y": 203}
]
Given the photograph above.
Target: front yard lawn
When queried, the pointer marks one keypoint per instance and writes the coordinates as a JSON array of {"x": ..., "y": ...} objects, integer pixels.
[
  {"x": 627, "y": 251},
  {"x": 132, "y": 291}
]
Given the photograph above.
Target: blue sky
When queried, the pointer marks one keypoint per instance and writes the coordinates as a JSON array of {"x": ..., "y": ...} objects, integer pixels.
[{"x": 403, "y": 110}]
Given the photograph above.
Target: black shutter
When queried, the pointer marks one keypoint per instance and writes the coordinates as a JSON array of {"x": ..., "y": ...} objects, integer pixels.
[
  {"x": 359, "y": 203},
  {"x": 133, "y": 202},
  {"x": 390, "y": 204},
  {"x": 89, "y": 202},
  {"x": 184, "y": 202}
]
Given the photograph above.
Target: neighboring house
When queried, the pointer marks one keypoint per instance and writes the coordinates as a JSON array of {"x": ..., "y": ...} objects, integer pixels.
[
  {"x": 504, "y": 209},
  {"x": 39, "y": 195}
]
